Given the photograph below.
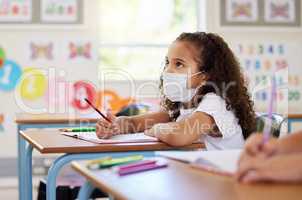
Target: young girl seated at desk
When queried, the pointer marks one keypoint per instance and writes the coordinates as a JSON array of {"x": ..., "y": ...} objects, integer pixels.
[{"x": 203, "y": 95}]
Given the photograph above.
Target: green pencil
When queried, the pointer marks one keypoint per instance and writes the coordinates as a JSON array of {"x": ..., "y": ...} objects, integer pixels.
[{"x": 80, "y": 129}]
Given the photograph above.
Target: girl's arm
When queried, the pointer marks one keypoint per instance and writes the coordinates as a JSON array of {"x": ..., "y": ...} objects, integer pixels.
[
  {"x": 142, "y": 122},
  {"x": 183, "y": 132}
]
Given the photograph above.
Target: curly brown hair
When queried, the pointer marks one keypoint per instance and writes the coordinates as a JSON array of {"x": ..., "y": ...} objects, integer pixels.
[{"x": 224, "y": 79}]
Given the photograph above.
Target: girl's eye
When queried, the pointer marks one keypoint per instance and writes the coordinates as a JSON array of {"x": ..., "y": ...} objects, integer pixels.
[{"x": 179, "y": 64}]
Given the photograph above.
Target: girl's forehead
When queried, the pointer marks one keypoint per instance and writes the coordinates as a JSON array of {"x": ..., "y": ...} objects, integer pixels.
[{"x": 183, "y": 50}]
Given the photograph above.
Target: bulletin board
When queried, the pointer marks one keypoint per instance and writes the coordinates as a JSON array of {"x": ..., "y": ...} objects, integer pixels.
[
  {"x": 41, "y": 12},
  {"x": 262, "y": 60}
]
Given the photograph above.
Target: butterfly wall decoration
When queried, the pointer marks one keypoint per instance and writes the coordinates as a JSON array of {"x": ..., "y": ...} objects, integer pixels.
[
  {"x": 39, "y": 51},
  {"x": 279, "y": 10},
  {"x": 79, "y": 50},
  {"x": 242, "y": 9}
]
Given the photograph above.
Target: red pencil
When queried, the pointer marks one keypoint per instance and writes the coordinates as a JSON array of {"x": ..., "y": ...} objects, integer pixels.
[{"x": 97, "y": 110}]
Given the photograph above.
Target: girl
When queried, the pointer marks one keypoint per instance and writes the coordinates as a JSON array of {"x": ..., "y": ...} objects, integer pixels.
[{"x": 203, "y": 95}]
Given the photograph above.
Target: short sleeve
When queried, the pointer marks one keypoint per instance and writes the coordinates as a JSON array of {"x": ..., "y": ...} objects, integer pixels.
[{"x": 225, "y": 120}]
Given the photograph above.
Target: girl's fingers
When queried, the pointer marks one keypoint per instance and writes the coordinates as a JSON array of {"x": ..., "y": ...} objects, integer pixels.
[
  {"x": 106, "y": 124},
  {"x": 149, "y": 132},
  {"x": 103, "y": 132},
  {"x": 110, "y": 115}
]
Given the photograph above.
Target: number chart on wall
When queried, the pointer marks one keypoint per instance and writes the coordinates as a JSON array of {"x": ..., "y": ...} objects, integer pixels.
[{"x": 262, "y": 61}]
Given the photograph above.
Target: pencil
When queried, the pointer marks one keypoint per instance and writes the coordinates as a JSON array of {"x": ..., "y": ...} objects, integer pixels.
[
  {"x": 97, "y": 110},
  {"x": 267, "y": 130}
]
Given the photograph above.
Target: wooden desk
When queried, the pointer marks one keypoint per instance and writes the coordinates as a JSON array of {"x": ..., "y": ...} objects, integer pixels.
[
  {"x": 47, "y": 141},
  {"x": 54, "y": 142},
  {"x": 180, "y": 181},
  {"x": 26, "y": 121},
  {"x": 25, "y": 118}
]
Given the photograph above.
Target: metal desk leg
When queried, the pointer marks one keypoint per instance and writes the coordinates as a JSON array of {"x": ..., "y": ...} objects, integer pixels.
[
  {"x": 85, "y": 191},
  {"x": 57, "y": 166},
  {"x": 28, "y": 175},
  {"x": 67, "y": 158},
  {"x": 21, "y": 166}
]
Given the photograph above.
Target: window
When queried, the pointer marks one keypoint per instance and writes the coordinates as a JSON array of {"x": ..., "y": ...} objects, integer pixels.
[{"x": 134, "y": 34}]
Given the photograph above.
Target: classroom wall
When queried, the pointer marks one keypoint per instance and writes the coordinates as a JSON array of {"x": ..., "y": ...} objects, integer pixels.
[{"x": 16, "y": 39}]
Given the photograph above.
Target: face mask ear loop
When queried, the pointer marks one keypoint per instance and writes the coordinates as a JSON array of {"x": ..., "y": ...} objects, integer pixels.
[{"x": 201, "y": 72}]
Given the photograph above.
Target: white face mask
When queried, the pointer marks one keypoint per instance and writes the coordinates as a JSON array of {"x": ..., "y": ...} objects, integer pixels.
[{"x": 175, "y": 87}]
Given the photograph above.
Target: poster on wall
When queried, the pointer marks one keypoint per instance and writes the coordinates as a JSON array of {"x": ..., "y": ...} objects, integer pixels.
[
  {"x": 242, "y": 10},
  {"x": 260, "y": 13},
  {"x": 15, "y": 11},
  {"x": 279, "y": 11},
  {"x": 58, "y": 11},
  {"x": 38, "y": 12},
  {"x": 262, "y": 61}
]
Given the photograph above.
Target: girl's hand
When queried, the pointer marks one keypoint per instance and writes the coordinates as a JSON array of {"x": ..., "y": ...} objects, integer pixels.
[
  {"x": 151, "y": 132},
  {"x": 105, "y": 129},
  {"x": 279, "y": 168}
]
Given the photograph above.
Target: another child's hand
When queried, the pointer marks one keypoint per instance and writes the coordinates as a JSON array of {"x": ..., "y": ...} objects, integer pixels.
[
  {"x": 105, "y": 129},
  {"x": 254, "y": 147},
  {"x": 278, "y": 168}
]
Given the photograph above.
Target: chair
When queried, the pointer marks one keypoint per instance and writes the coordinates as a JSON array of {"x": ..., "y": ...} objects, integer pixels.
[{"x": 277, "y": 121}]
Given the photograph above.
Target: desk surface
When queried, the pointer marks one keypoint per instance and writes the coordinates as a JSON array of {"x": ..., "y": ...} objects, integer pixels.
[
  {"x": 180, "y": 181},
  {"x": 25, "y": 118},
  {"x": 52, "y": 141}
]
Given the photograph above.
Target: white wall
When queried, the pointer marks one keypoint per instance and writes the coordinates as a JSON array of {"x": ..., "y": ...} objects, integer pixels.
[{"x": 15, "y": 40}]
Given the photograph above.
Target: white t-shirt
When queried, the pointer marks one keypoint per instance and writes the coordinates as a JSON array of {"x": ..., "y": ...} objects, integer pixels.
[{"x": 226, "y": 122}]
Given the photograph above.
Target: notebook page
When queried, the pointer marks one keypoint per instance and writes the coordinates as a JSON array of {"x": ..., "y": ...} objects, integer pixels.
[
  {"x": 123, "y": 138},
  {"x": 224, "y": 161}
]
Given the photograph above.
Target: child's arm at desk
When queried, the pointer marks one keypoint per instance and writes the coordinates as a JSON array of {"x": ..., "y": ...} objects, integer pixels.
[
  {"x": 125, "y": 124},
  {"x": 184, "y": 132}
]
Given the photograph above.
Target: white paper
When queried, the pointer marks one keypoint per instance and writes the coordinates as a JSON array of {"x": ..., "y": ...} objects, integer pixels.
[
  {"x": 225, "y": 161},
  {"x": 123, "y": 138}
]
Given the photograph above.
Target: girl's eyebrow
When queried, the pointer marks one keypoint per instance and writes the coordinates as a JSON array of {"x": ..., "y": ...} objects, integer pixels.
[{"x": 179, "y": 59}]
